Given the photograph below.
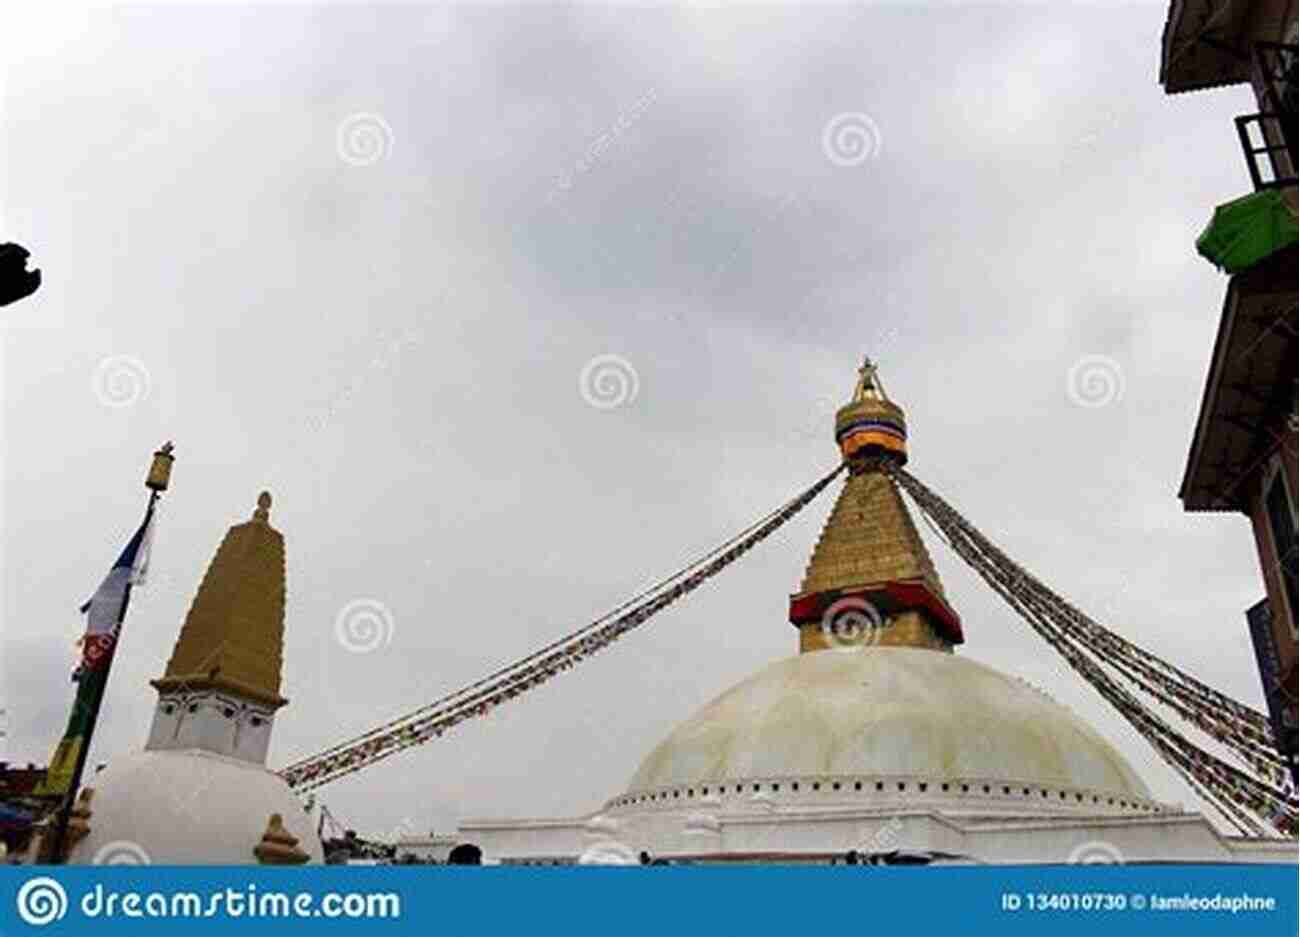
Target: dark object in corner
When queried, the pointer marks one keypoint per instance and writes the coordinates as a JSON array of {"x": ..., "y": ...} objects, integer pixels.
[
  {"x": 466, "y": 854},
  {"x": 16, "y": 281}
]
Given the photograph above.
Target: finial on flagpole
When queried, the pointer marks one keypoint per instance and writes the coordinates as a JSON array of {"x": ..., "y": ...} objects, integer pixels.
[{"x": 160, "y": 472}]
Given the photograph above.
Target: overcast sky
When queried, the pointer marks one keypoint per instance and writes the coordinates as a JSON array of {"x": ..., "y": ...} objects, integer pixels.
[{"x": 363, "y": 258}]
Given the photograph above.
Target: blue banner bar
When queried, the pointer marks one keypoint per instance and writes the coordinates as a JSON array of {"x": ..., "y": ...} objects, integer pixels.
[{"x": 1006, "y": 901}]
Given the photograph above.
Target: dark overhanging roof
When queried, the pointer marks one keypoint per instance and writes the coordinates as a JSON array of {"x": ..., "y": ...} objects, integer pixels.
[
  {"x": 1251, "y": 383},
  {"x": 1206, "y": 43}
]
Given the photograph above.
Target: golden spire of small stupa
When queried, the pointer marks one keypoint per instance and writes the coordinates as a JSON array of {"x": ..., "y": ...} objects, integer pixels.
[
  {"x": 870, "y": 560},
  {"x": 233, "y": 636}
]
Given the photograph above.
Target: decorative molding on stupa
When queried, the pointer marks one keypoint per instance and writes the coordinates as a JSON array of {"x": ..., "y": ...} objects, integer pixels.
[{"x": 278, "y": 846}]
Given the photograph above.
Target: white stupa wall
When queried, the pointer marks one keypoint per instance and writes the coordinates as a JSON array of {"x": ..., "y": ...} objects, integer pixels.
[{"x": 785, "y": 835}]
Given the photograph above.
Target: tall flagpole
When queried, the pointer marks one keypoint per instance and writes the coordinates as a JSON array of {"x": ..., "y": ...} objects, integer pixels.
[{"x": 157, "y": 480}]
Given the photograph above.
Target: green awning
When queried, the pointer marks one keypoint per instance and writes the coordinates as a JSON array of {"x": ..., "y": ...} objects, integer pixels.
[{"x": 1245, "y": 231}]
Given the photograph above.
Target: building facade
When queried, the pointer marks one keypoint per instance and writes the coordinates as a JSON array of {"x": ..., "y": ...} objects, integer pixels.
[{"x": 1243, "y": 450}]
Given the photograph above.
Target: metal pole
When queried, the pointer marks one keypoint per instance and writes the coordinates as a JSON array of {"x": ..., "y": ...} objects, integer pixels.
[{"x": 55, "y": 853}]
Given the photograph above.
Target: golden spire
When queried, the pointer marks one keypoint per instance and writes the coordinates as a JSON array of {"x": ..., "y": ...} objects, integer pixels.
[
  {"x": 869, "y": 537},
  {"x": 870, "y": 561},
  {"x": 870, "y": 423},
  {"x": 233, "y": 636}
]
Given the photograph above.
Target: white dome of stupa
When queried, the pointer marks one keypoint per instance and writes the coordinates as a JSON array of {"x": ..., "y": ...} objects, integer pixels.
[
  {"x": 878, "y": 710},
  {"x": 862, "y": 723},
  {"x": 188, "y": 807}
]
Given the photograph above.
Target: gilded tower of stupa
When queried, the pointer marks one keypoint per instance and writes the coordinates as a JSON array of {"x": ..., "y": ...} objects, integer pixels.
[
  {"x": 870, "y": 567},
  {"x": 232, "y": 641}
]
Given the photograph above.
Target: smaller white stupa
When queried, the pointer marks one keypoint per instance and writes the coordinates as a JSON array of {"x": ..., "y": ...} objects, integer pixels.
[{"x": 200, "y": 792}]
